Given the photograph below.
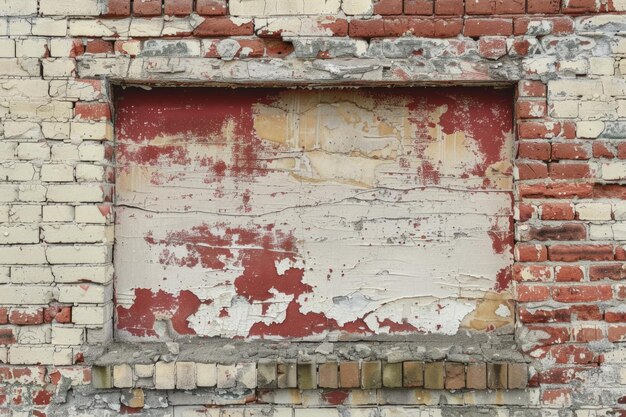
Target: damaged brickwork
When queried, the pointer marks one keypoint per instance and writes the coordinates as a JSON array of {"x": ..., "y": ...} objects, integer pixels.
[{"x": 84, "y": 176}]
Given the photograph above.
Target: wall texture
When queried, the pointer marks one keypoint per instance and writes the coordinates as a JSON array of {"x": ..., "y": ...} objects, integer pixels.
[{"x": 564, "y": 355}]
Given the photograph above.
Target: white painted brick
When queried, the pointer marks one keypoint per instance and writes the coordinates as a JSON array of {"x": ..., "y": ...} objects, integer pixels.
[
  {"x": 34, "y": 335},
  {"x": 4, "y": 355},
  {"x": 589, "y": 130},
  {"x": 34, "y": 192},
  {"x": 600, "y": 232},
  {"x": 57, "y": 172},
  {"x": 18, "y": 234},
  {"x": 22, "y": 130},
  {"x": 564, "y": 108},
  {"x": 357, "y": 7},
  {"x": 92, "y": 315},
  {"x": 78, "y": 254},
  {"x": 7, "y": 48},
  {"x": 31, "y": 275},
  {"x": 597, "y": 110},
  {"x": 7, "y": 149},
  {"x": 25, "y": 213},
  {"x": 122, "y": 376},
  {"x": 85, "y": 293},
  {"x": 64, "y": 152},
  {"x": 316, "y": 412},
  {"x": 193, "y": 411},
  {"x": 87, "y": 193},
  {"x": 574, "y": 88},
  {"x": 24, "y": 88},
  {"x": 78, "y": 274},
  {"x": 142, "y": 28},
  {"x": 67, "y": 335},
  {"x": 71, "y": 233},
  {"x": 49, "y": 27},
  {"x": 74, "y": 89},
  {"x": 282, "y": 7},
  {"x": 92, "y": 214},
  {"x": 602, "y": 65},
  {"x": 31, "y": 47},
  {"x": 185, "y": 375},
  {"x": 614, "y": 171},
  {"x": 19, "y": 27},
  {"x": 206, "y": 374},
  {"x": 622, "y": 375},
  {"x": 100, "y": 27},
  {"x": 63, "y": 356},
  {"x": 165, "y": 375},
  {"x": 58, "y": 213},
  {"x": 59, "y": 67},
  {"x": 8, "y": 193},
  {"x": 63, "y": 47},
  {"x": 22, "y": 255},
  {"x": 5, "y": 275},
  {"x": 4, "y": 213},
  {"x": 26, "y": 294},
  {"x": 18, "y": 7},
  {"x": 619, "y": 231},
  {"x": 55, "y": 130},
  {"x": 594, "y": 211},
  {"x": 17, "y": 171},
  {"x": 226, "y": 376},
  {"x": 94, "y": 152},
  {"x": 29, "y": 355},
  {"x": 20, "y": 67},
  {"x": 69, "y": 7},
  {"x": 33, "y": 150},
  {"x": 89, "y": 172},
  {"x": 41, "y": 109},
  {"x": 91, "y": 131}
]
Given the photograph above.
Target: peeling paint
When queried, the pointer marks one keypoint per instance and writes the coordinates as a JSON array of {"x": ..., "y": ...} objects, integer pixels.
[{"x": 260, "y": 213}]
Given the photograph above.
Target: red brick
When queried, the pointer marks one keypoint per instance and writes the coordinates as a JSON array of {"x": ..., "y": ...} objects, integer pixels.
[
  {"x": 615, "y": 316},
  {"x": 569, "y": 171},
  {"x": 602, "y": 150},
  {"x": 388, "y": 7},
  {"x": 223, "y": 26},
  {"x": 480, "y": 6},
  {"x": 372, "y": 28},
  {"x": 586, "y": 312},
  {"x": 563, "y": 190},
  {"x": 544, "y": 6},
  {"x": 7, "y": 337},
  {"x": 448, "y": 28},
  {"x": 418, "y": 7},
  {"x": 562, "y": 25},
  {"x": 530, "y": 273},
  {"x": 540, "y": 130},
  {"x": 615, "y": 272},
  {"x": 147, "y": 8},
  {"x": 510, "y": 6},
  {"x": 575, "y": 253},
  {"x": 58, "y": 314},
  {"x": 565, "y": 231},
  {"x": 26, "y": 316},
  {"x": 561, "y": 375},
  {"x": 118, "y": 8},
  {"x": 555, "y": 335},
  {"x": 520, "y": 47},
  {"x": 617, "y": 333},
  {"x": 556, "y": 397},
  {"x": 588, "y": 334},
  {"x": 557, "y": 211},
  {"x": 534, "y": 150},
  {"x": 99, "y": 46},
  {"x": 529, "y": 252},
  {"x": 492, "y": 47},
  {"x": 570, "y": 151},
  {"x": 616, "y": 191},
  {"x": 621, "y": 150},
  {"x": 532, "y": 293},
  {"x": 572, "y": 354},
  {"x": 560, "y": 315},
  {"x": 526, "y": 211},
  {"x": 4, "y": 315},
  {"x": 582, "y": 293},
  {"x": 475, "y": 27},
  {"x": 449, "y": 7},
  {"x": 92, "y": 111},
  {"x": 621, "y": 292},
  {"x": 211, "y": 7},
  {"x": 532, "y": 89},
  {"x": 178, "y": 7},
  {"x": 532, "y": 170},
  {"x": 580, "y": 6},
  {"x": 569, "y": 273},
  {"x": 529, "y": 109}
]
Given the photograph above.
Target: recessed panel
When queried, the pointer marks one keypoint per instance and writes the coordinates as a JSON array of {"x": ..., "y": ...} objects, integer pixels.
[{"x": 309, "y": 214}]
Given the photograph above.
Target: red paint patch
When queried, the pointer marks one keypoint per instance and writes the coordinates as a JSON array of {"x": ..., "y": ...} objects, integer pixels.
[
  {"x": 395, "y": 327},
  {"x": 148, "y": 307}
]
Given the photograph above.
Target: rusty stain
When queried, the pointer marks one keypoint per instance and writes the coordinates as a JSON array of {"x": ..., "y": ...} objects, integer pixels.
[{"x": 268, "y": 213}]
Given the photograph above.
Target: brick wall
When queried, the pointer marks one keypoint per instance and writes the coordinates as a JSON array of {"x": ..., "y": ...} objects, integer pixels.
[{"x": 59, "y": 59}]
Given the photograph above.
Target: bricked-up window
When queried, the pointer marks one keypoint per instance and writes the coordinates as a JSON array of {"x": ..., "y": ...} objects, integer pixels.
[{"x": 268, "y": 213}]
